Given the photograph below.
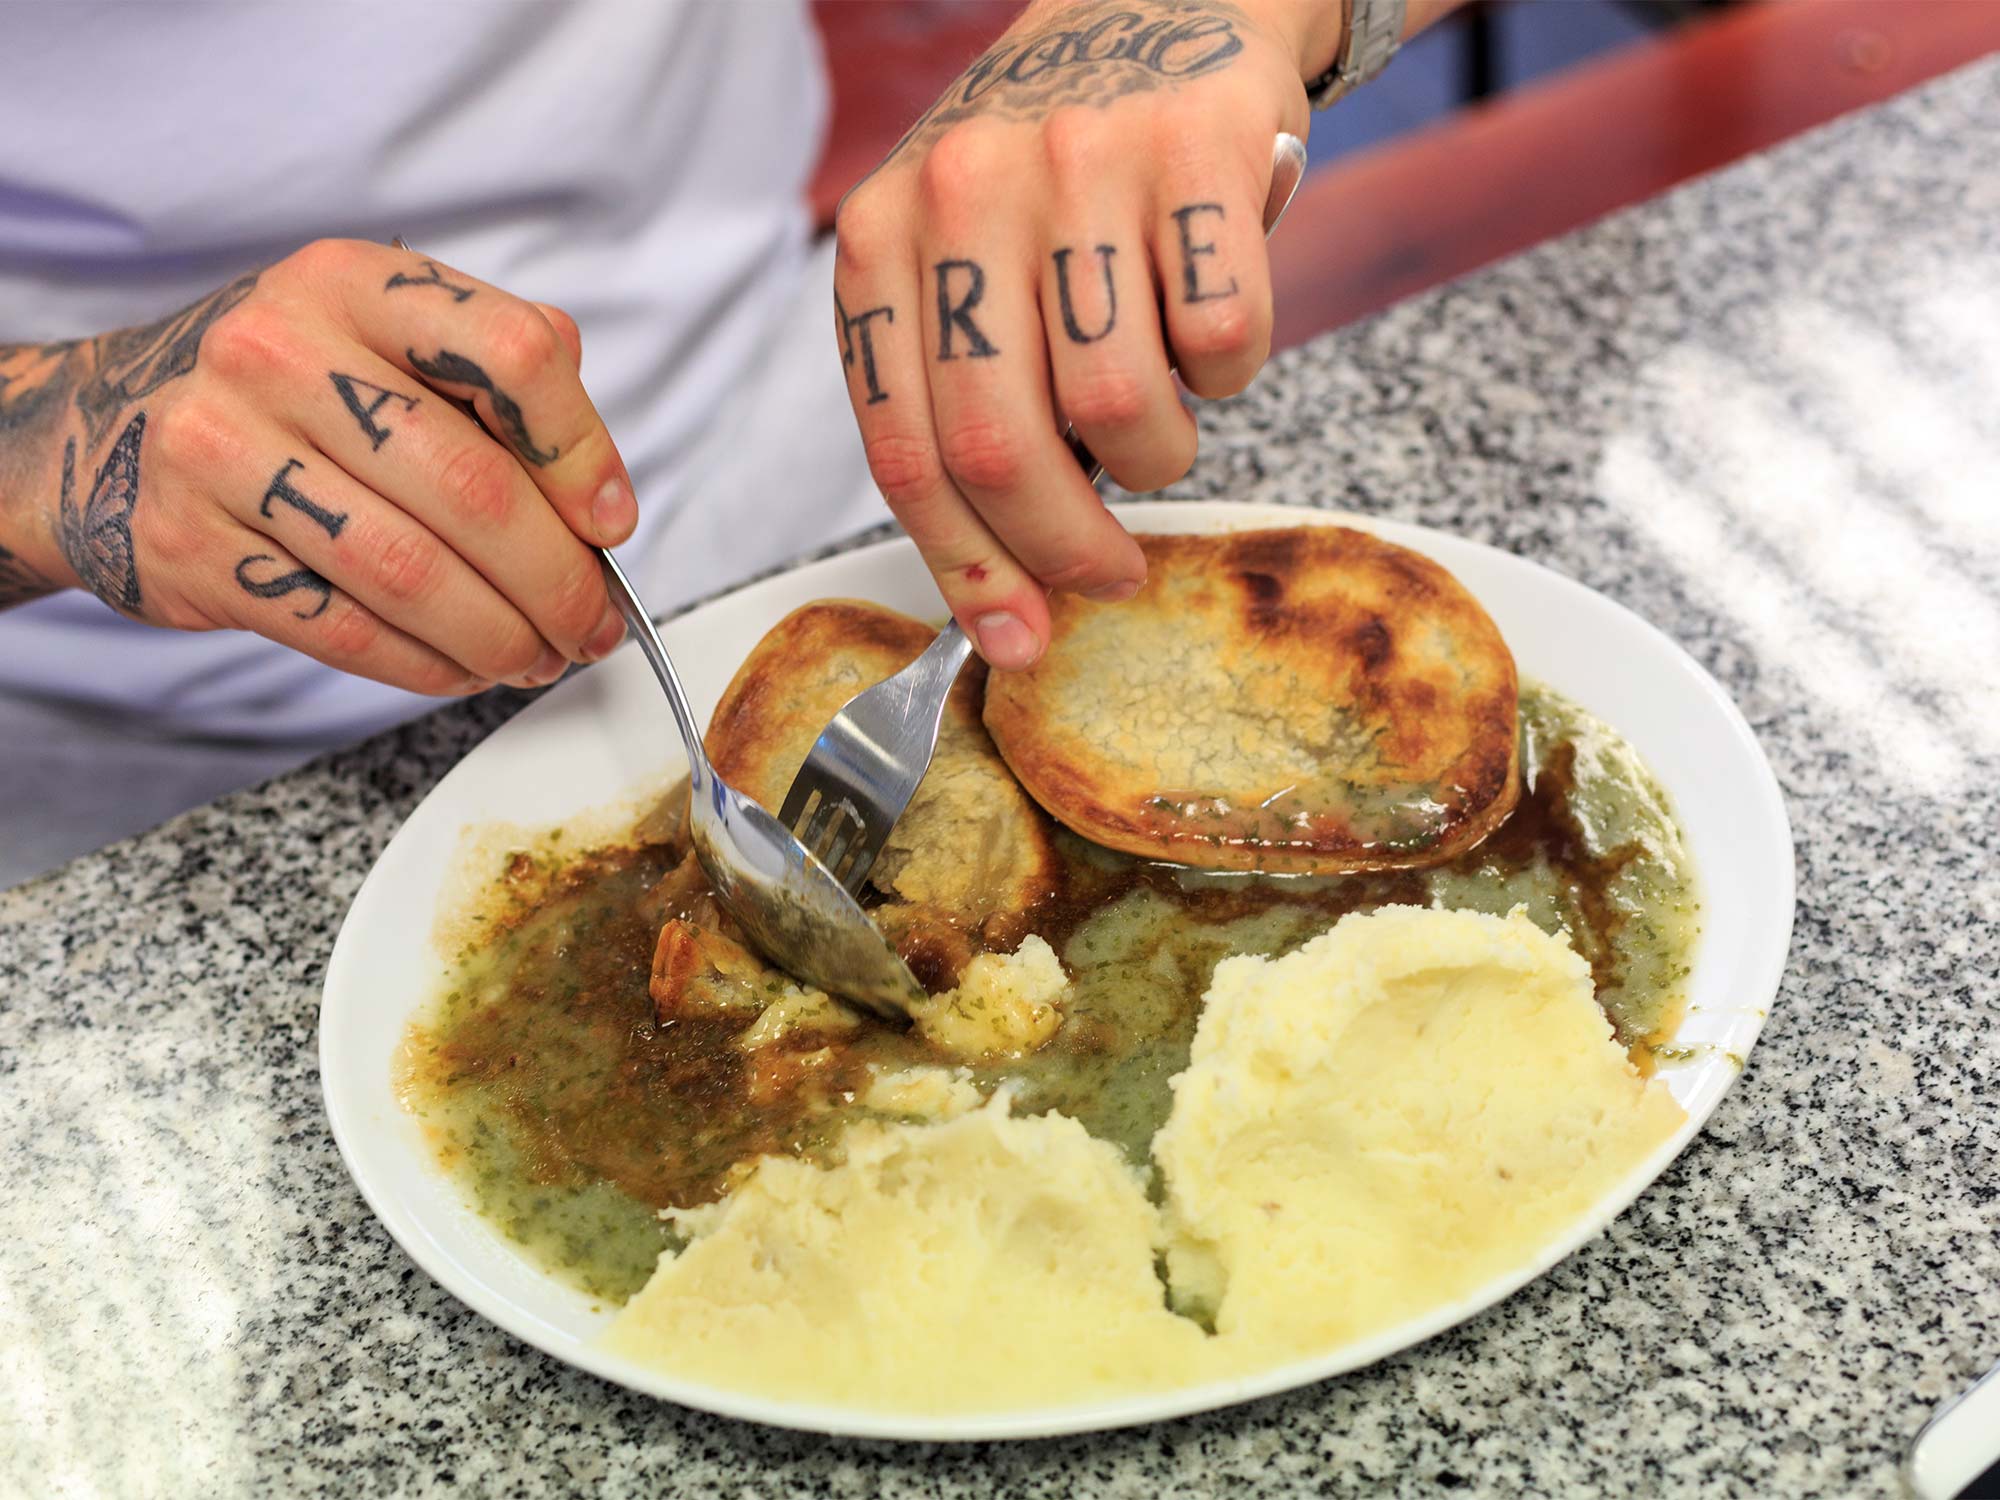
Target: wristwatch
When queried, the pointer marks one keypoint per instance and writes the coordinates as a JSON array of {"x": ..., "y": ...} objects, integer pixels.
[{"x": 1374, "y": 32}]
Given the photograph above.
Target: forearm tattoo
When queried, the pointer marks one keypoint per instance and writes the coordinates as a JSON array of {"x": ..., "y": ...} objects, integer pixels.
[
  {"x": 448, "y": 368},
  {"x": 351, "y": 388},
  {"x": 1096, "y": 55},
  {"x": 281, "y": 491},
  {"x": 432, "y": 277},
  {"x": 1192, "y": 289},
  {"x": 1070, "y": 324},
  {"x": 957, "y": 314},
  {"x": 34, "y": 380},
  {"x": 18, "y": 582},
  {"x": 285, "y": 583},
  {"x": 96, "y": 536},
  {"x": 132, "y": 363},
  {"x": 857, "y": 338}
]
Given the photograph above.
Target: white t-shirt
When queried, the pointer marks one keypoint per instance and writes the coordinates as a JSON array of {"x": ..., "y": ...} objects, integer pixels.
[{"x": 640, "y": 163}]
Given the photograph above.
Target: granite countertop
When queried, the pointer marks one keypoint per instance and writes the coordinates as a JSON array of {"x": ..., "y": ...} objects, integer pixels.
[{"x": 1763, "y": 412}]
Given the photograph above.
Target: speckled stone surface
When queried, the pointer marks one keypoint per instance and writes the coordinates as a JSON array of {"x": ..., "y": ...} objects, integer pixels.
[{"x": 1763, "y": 412}]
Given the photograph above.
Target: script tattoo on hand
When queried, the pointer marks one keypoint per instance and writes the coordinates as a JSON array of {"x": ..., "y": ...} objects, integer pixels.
[
  {"x": 96, "y": 537},
  {"x": 1070, "y": 325},
  {"x": 351, "y": 387},
  {"x": 433, "y": 277},
  {"x": 285, "y": 583},
  {"x": 856, "y": 335},
  {"x": 958, "y": 315},
  {"x": 448, "y": 368},
  {"x": 132, "y": 363},
  {"x": 281, "y": 491},
  {"x": 18, "y": 582},
  {"x": 1191, "y": 288},
  {"x": 1100, "y": 53}
]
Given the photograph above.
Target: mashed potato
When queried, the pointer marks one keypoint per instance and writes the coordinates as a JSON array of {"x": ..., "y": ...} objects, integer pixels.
[
  {"x": 1408, "y": 1105},
  {"x": 985, "y": 1263},
  {"x": 1004, "y": 1006}
]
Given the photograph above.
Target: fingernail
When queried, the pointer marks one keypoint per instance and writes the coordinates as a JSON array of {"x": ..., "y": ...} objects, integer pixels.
[
  {"x": 1005, "y": 641},
  {"x": 551, "y": 666},
  {"x": 604, "y": 640},
  {"x": 1114, "y": 593},
  {"x": 614, "y": 512}
]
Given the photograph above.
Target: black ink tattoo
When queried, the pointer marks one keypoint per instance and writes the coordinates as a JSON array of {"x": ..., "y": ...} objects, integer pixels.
[
  {"x": 34, "y": 380},
  {"x": 456, "y": 369},
  {"x": 284, "y": 492},
  {"x": 350, "y": 387},
  {"x": 857, "y": 337},
  {"x": 96, "y": 537},
  {"x": 134, "y": 362},
  {"x": 1070, "y": 325},
  {"x": 18, "y": 582},
  {"x": 1098, "y": 54},
  {"x": 283, "y": 584},
  {"x": 959, "y": 315},
  {"x": 435, "y": 278},
  {"x": 1191, "y": 288}
]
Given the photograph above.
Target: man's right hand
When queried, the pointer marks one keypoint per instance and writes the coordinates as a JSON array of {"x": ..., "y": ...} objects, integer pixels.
[{"x": 292, "y": 456}]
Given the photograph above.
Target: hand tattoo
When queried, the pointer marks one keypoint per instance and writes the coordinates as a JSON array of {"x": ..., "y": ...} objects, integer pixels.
[
  {"x": 282, "y": 584},
  {"x": 350, "y": 387},
  {"x": 856, "y": 330},
  {"x": 1191, "y": 288},
  {"x": 282, "y": 491},
  {"x": 435, "y": 278},
  {"x": 18, "y": 582},
  {"x": 959, "y": 315},
  {"x": 456, "y": 369},
  {"x": 134, "y": 362},
  {"x": 1099, "y": 53},
  {"x": 34, "y": 379},
  {"x": 1070, "y": 325},
  {"x": 96, "y": 538}
]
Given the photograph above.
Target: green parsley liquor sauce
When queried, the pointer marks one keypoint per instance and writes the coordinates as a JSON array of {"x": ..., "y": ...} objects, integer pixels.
[{"x": 571, "y": 1115}]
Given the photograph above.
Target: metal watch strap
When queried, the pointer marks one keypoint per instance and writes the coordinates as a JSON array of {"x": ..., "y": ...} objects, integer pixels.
[{"x": 1374, "y": 32}]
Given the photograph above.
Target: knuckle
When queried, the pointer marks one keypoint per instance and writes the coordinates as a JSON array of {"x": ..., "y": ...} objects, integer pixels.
[
  {"x": 958, "y": 161},
  {"x": 513, "y": 657},
  {"x": 520, "y": 343},
  {"x": 575, "y": 604},
  {"x": 984, "y": 455},
  {"x": 351, "y": 633},
  {"x": 477, "y": 483},
  {"x": 905, "y": 469},
  {"x": 859, "y": 229},
  {"x": 1225, "y": 330},
  {"x": 1073, "y": 142},
  {"x": 323, "y": 262},
  {"x": 408, "y": 565},
  {"x": 249, "y": 341},
  {"x": 190, "y": 436},
  {"x": 1107, "y": 400}
]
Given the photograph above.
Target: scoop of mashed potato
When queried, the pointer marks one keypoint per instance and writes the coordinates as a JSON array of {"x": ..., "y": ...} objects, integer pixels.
[
  {"x": 1004, "y": 1004},
  {"x": 1408, "y": 1105},
  {"x": 988, "y": 1262}
]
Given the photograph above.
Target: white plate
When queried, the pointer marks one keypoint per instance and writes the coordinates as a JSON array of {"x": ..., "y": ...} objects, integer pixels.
[{"x": 606, "y": 736}]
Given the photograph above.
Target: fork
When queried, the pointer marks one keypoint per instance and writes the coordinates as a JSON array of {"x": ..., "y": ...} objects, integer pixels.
[{"x": 867, "y": 763}]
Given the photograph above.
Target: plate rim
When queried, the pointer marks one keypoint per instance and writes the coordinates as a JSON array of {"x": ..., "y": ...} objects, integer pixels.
[{"x": 1106, "y": 1413}]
